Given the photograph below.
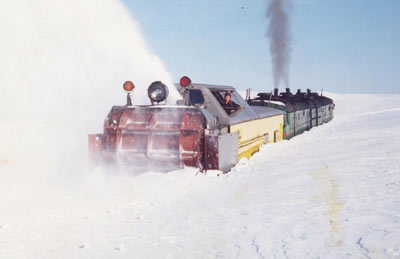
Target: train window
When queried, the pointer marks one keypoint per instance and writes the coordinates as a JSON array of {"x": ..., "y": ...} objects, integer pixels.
[
  {"x": 304, "y": 112},
  {"x": 218, "y": 95},
  {"x": 195, "y": 97},
  {"x": 231, "y": 104}
]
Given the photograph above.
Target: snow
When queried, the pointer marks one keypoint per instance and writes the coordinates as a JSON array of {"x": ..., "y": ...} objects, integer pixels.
[
  {"x": 62, "y": 68},
  {"x": 332, "y": 192}
]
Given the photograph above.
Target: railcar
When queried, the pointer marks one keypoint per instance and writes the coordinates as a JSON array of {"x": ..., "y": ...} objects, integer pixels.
[{"x": 302, "y": 110}]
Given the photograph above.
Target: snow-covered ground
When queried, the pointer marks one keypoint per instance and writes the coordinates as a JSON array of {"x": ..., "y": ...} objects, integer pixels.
[{"x": 332, "y": 192}]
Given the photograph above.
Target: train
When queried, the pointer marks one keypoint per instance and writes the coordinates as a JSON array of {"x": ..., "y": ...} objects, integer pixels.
[{"x": 212, "y": 127}]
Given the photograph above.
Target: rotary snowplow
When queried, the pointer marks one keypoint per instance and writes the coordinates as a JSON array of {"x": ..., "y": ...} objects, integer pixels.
[{"x": 212, "y": 127}]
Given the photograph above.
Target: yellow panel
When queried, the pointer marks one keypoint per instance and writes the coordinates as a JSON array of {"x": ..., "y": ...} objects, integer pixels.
[
  {"x": 252, "y": 133},
  {"x": 248, "y": 150}
]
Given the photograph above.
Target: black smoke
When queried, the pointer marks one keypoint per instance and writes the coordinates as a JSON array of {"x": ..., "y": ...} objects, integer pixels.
[{"x": 280, "y": 39}]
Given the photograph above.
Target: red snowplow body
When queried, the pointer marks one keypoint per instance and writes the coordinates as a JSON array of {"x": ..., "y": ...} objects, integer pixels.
[{"x": 143, "y": 136}]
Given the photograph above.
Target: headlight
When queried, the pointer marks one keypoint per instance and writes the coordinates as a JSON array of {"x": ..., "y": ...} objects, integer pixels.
[
  {"x": 157, "y": 92},
  {"x": 129, "y": 86}
]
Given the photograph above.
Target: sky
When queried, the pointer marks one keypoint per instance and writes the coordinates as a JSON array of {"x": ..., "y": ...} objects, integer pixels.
[{"x": 343, "y": 46}]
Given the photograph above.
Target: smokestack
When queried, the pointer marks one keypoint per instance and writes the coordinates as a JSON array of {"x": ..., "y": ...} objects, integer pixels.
[
  {"x": 288, "y": 91},
  {"x": 276, "y": 93},
  {"x": 308, "y": 91},
  {"x": 279, "y": 37},
  {"x": 298, "y": 91}
]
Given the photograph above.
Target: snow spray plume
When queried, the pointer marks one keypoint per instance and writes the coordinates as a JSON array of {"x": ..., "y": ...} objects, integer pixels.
[
  {"x": 62, "y": 67},
  {"x": 279, "y": 35}
]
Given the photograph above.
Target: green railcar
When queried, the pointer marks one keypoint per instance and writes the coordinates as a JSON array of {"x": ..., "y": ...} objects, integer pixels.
[{"x": 302, "y": 111}]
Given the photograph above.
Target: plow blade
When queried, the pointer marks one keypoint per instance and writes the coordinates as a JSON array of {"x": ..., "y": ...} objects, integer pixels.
[{"x": 166, "y": 138}]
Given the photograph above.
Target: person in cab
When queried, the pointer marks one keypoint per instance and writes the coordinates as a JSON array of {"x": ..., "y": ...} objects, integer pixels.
[{"x": 228, "y": 105}]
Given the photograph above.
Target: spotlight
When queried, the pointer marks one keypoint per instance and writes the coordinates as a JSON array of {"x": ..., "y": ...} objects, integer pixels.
[{"x": 157, "y": 92}]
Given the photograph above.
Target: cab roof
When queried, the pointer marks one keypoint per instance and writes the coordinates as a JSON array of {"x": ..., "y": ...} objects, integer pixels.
[{"x": 208, "y": 86}]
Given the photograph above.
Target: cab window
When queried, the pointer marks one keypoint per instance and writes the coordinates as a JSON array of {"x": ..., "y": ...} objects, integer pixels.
[
  {"x": 227, "y": 100},
  {"x": 195, "y": 97}
]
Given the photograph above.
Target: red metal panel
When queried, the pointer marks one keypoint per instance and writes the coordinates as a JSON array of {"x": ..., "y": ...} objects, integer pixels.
[
  {"x": 191, "y": 139},
  {"x": 164, "y": 136}
]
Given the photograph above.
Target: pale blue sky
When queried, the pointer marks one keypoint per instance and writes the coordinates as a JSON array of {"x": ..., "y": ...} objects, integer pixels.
[{"x": 345, "y": 46}]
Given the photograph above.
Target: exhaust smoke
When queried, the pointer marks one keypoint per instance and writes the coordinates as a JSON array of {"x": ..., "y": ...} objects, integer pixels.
[{"x": 280, "y": 40}]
